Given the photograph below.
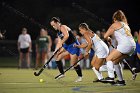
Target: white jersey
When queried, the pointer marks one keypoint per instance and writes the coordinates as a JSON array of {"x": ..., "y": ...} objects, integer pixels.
[
  {"x": 24, "y": 40},
  {"x": 100, "y": 48},
  {"x": 126, "y": 43},
  {"x": 123, "y": 36}
]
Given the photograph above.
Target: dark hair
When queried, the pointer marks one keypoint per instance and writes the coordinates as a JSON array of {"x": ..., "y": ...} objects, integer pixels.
[
  {"x": 24, "y": 29},
  {"x": 43, "y": 28},
  {"x": 119, "y": 16},
  {"x": 84, "y": 25},
  {"x": 56, "y": 19}
]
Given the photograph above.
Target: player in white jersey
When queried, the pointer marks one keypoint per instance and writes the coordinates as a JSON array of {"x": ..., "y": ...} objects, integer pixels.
[
  {"x": 100, "y": 48},
  {"x": 126, "y": 45},
  {"x": 24, "y": 47}
]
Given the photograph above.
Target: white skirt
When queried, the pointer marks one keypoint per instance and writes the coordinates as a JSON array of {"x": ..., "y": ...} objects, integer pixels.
[
  {"x": 128, "y": 50},
  {"x": 101, "y": 50}
]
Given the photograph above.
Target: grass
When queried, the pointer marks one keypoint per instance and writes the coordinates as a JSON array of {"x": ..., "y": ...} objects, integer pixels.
[{"x": 13, "y": 80}]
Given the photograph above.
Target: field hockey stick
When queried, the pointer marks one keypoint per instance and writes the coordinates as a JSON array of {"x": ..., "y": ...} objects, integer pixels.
[
  {"x": 40, "y": 71},
  {"x": 129, "y": 67},
  {"x": 69, "y": 67},
  {"x": 134, "y": 75}
]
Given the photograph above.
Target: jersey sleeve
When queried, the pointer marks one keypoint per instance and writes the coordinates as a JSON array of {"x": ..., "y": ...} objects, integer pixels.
[
  {"x": 19, "y": 38},
  {"x": 29, "y": 38}
]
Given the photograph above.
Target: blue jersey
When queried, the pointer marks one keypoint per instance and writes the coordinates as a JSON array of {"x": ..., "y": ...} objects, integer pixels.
[
  {"x": 71, "y": 39},
  {"x": 69, "y": 43}
]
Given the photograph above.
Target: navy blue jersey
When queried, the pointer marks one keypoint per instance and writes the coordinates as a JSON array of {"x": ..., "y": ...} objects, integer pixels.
[{"x": 71, "y": 39}]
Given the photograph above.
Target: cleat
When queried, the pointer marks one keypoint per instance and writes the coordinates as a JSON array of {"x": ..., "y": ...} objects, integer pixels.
[
  {"x": 119, "y": 83},
  {"x": 61, "y": 76},
  {"x": 98, "y": 80},
  {"x": 135, "y": 74},
  {"x": 108, "y": 80},
  {"x": 79, "y": 79}
]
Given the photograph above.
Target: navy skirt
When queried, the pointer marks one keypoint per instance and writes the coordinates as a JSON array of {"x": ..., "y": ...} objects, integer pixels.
[{"x": 71, "y": 49}]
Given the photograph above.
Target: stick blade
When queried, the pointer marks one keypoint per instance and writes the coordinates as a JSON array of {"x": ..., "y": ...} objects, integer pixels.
[{"x": 36, "y": 74}]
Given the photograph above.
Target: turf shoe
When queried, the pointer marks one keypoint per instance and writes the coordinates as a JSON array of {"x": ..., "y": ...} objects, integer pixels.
[
  {"x": 108, "y": 80},
  {"x": 135, "y": 74},
  {"x": 119, "y": 83},
  {"x": 61, "y": 76},
  {"x": 98, "y": 80},
  {"x": 79, "y": 79}
]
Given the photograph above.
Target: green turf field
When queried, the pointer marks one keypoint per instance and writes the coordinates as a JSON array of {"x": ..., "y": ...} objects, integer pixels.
[{"x": 13, "y": 80}]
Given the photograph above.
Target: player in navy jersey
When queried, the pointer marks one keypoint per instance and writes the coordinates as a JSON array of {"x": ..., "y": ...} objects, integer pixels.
[{"x": 66, "y": 40}]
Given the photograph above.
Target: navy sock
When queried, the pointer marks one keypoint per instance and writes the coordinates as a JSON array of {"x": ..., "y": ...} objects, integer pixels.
[
  {"x": 78, "y": 70},
  {"x": 60, "y": 66}
]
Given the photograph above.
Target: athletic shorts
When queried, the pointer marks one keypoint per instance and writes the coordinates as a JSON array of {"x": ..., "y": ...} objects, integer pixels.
[
  {"x": 24, "y": 50},
  {"x": 129, "y": 50},
  {"x": 71, "y": 49},
  {"x": 40, "y": 50}
]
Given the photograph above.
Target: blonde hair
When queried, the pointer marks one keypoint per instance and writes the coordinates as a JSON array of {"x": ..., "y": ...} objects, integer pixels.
[
  {"x": 84, "y": 25},
  {"x": 119, "y": 16}
]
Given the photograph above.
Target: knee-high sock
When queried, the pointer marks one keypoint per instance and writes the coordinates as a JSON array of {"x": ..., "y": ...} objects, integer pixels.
[
  {"x": 87, "y": 63},
  {"x": 60, "y": 66},
  {"x": 118, "y": 72},
  {"x": 78, "y": 70},
  {"x": 110, "y": 68},
  {"x": 98, "y": 73},
  {"x": 103, "y": 68}
]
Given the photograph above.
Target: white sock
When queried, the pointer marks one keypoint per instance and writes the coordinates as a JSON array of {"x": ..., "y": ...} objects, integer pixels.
[
  {"x": 87, "y": 63},
  {"x": 103, "y": 68},
  {"x": 118, "y": 72},
  {"x": 98, "y": 73},
  {"x": 82, "y": 63},
  {"x": 110, "y": 68}
]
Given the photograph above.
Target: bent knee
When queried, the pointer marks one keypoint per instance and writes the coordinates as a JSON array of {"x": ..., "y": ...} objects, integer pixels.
[
  {"x": 97, "y": 67},
  {"x": 92, "y": 64}
]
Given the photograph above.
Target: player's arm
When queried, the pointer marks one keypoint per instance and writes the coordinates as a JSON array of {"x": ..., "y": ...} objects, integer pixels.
[
  {"x": 110, "y": 31},
  {"x": 65, "y": 33},
  {"x": 83, "y": 45},
  {"x": 89, "y": 43},
  {"x": 58, "y": 44},
  {"x": 18, "y": 43},
  {"x": 50, "y": 43},
  {"x": 30, "y": 44}
]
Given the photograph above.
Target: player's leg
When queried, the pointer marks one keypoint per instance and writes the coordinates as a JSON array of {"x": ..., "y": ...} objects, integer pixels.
[
  {"x": 97, "y": 64},
  {"x": 44, "y": 56},
  {"x": 59, "y": 63},
  {"x": 136, "y": 70},
  {"x": 87, "y": 61},
  {"x": 37, "y": 60},
  {"x": 118, "y": 69},
  {"x": 115, "y": 54},
  {"x": 28, "y": 59},
  {"x": 74, "y": 58},
  {"x": 20, "y": 59}
]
